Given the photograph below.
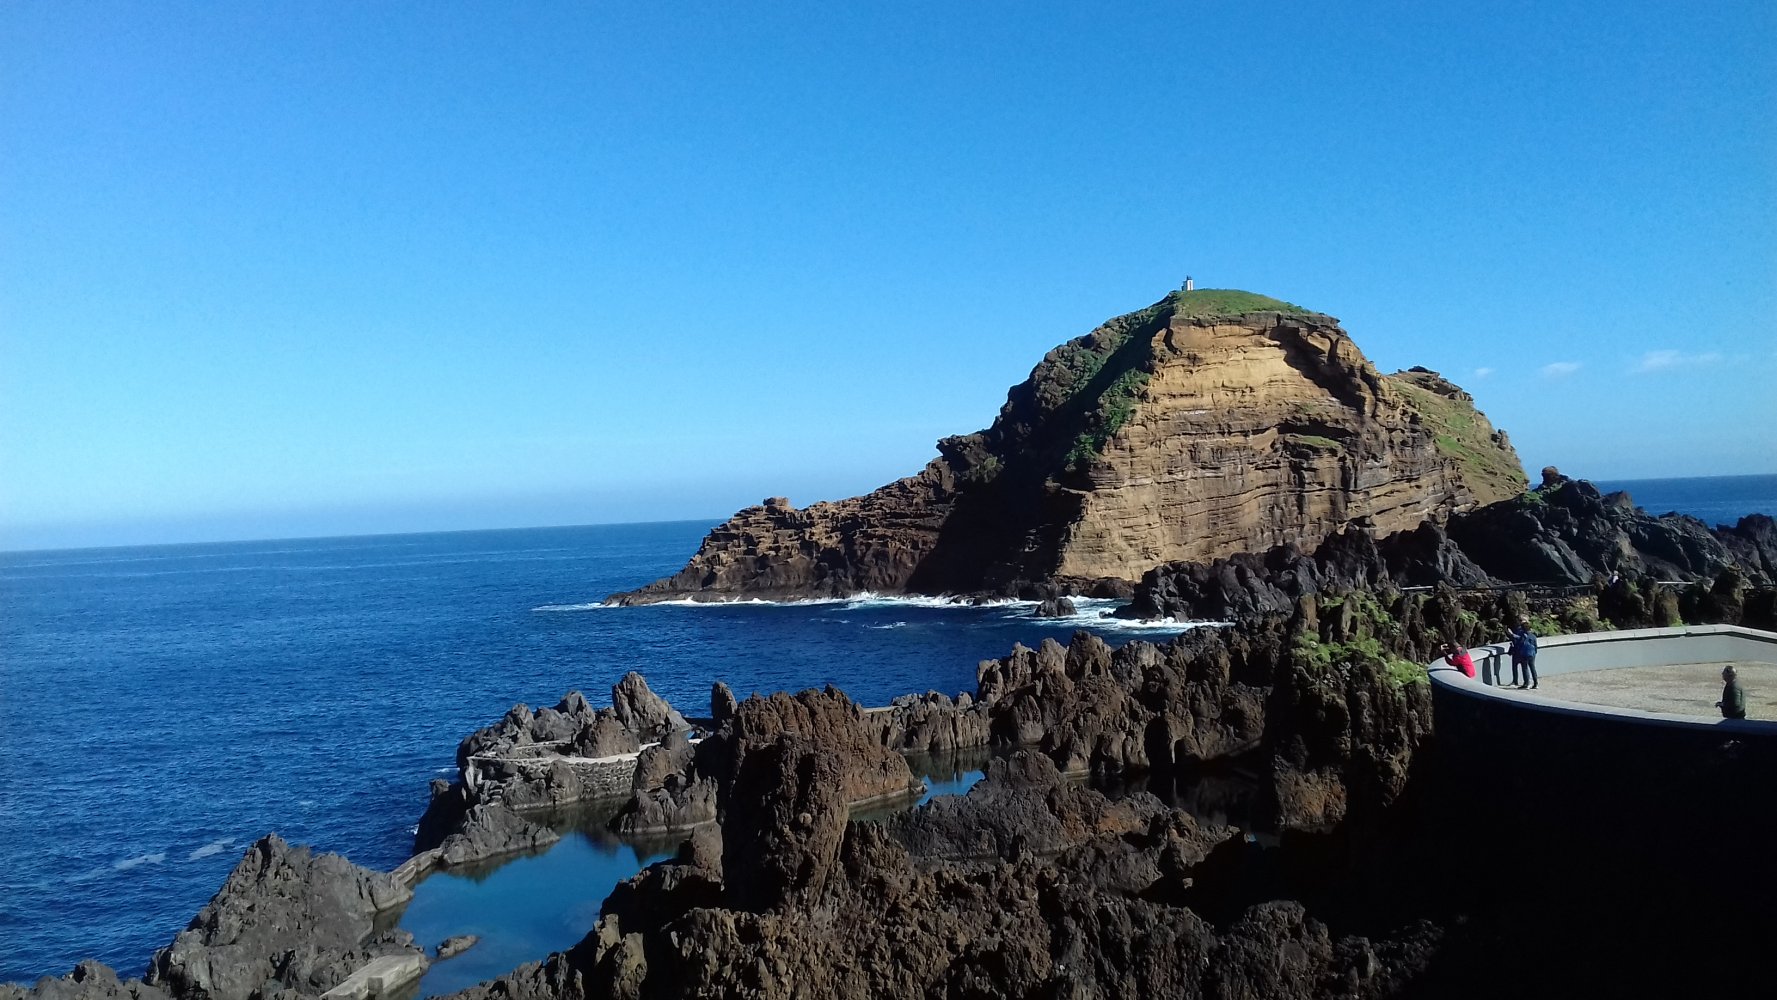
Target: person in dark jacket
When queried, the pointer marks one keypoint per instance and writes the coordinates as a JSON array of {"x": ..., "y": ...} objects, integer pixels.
[
  {"x": 1523, "y": 648},
  {"x": 1733, "y": 700}
]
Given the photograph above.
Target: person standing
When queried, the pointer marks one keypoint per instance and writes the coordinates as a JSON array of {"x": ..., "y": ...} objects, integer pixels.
[
  {"x": 1523, "y": 648},
  {"x": 1733, "y": 700}
]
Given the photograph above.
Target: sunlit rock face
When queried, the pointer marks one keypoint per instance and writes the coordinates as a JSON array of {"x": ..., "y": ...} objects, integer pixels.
[{"x": 1210, "y": 423}]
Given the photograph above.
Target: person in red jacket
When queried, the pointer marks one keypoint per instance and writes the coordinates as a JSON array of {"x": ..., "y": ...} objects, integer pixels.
[{"x": 1459, "y": 658}]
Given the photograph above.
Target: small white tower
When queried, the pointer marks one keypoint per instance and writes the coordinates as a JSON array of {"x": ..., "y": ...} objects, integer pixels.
[{"x": 1189, "y": 284}]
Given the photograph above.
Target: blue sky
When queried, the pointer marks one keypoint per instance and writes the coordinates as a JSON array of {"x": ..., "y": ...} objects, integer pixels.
[{"x": 298, "y": 268}]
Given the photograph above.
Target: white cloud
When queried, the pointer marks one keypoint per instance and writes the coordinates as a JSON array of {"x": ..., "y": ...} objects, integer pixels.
[
  {"x": 1560, "y": 369},
  {"x": 1481, "y": 373},
  {"x": 1660, "y": 361}
]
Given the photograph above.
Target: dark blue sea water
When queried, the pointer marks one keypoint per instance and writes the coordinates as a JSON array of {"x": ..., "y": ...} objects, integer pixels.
[
  {"x": 165, "y": 706},
  {"x": 1714, "y": 500}
]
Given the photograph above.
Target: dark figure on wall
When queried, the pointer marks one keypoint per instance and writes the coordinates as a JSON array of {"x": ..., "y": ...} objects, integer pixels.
[
  {"x": 1733, "y": 700},
  {"x": 1523, "y": 648}
]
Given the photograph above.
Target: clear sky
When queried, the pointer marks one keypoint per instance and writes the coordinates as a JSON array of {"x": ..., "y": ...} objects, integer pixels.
[{"x": 272, "y": 269}]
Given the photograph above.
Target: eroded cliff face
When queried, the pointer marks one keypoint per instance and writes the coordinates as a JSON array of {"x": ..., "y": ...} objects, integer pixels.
[{"x": 1210, "y": 423}]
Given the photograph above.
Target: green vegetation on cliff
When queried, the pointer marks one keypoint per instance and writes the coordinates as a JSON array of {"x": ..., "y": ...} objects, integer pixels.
[
  {"x": 1356, "y": 628},
  {"x": 1459, "y": 433},
  {"x": 1214, "y": 303},
  {"x": 1077, "y": 371},
  {"x": 1115, "y": 405}
]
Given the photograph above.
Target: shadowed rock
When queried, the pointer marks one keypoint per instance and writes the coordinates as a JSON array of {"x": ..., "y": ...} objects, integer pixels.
[{"x": 785, "y": 820}]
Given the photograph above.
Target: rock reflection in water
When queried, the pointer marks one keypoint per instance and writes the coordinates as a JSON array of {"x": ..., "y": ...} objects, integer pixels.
[{"x": 525, "y": 906}]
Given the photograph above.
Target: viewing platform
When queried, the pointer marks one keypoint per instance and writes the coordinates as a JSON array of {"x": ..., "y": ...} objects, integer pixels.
[{"x": 1663, "y": 677}]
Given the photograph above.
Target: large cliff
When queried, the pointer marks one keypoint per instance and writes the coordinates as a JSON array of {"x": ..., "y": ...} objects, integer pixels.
[{"x": 1209, "y": 423}]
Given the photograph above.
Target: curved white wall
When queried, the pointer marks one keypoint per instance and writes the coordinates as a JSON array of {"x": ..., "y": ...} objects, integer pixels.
[{"x": 1649, "y": 647}]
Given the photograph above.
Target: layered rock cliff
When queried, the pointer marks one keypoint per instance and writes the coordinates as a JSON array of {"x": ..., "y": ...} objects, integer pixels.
[{"x": 1211, "y": 422}]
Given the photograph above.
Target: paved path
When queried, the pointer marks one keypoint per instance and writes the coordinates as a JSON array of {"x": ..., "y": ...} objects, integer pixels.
[{"x": 1686, "y": 689}]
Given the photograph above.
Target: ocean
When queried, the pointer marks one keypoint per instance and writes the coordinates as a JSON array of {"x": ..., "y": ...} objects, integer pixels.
[{"x": 165, "y": 706}]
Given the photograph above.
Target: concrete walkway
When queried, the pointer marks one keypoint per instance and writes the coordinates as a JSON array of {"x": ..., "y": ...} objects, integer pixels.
[
  {"x": 1682, "y": 688},
  {"x": 379, "y": 978}
]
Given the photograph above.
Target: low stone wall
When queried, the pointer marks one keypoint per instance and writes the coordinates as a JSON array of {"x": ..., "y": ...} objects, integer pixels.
[
  {"x": 602, "y": 777},
  {"x": 1461, "y": 701}
]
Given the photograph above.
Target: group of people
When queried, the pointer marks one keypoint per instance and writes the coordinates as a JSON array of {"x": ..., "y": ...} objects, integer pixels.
[{"x": 1522, "y": 647}]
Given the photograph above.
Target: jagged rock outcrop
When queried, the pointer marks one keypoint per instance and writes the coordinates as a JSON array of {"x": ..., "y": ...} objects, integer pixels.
[
  {"x": 1209, "y": 423},
  {"x": 676, "y": 788},
  {"x": 286, "y": 916},
  {"x": 490, "y": 830},
  {"x": 785, "y": 820},
  {"x": 1083, "y": 900},
  {"x": 932, "y": 723},
  {"x": 1563, "y": 533},
  {"x": 455, "y": 945},
  {"x": 667, "y": 793},
  {"x": 90, "y": 980},
  {"x": 547, "y": 761}
]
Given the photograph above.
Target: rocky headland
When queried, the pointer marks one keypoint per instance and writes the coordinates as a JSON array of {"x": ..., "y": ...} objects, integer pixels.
[{"x": 1210, "y": 423}]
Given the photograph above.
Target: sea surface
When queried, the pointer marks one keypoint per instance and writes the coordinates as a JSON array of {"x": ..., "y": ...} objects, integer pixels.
[{"x": 165, "y": 706}]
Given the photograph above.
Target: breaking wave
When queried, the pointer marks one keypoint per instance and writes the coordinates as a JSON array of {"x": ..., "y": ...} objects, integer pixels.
[
  {"x": 213, "y": 847},
  {"x": 139, "y": 860}
]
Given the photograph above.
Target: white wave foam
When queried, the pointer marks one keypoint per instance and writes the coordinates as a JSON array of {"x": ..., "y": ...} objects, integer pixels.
[
  {"x": 865, "y": 599},
  {"x": 213, "y": 847},
  {"x": 753, "y": 602},
  {"x": 139, "y": 860},
  {"x": 594, "y": 606},
  {"x": 1129, "y": 625},
  {"x": 1092, "y": 615},
  {"x": 890, "y": 625}
]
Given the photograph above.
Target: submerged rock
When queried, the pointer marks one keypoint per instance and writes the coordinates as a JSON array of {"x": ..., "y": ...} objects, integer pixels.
[{"x": 451, "y": 947}]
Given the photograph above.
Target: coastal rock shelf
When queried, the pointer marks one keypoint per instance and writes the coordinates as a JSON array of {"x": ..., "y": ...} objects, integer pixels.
[
  {"x": 1210, "y": 423},
  {"x": 540, "y": 764}
]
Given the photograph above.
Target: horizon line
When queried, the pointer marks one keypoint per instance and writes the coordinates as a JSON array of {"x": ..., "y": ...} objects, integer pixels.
[{"x": 8, "y": 550}]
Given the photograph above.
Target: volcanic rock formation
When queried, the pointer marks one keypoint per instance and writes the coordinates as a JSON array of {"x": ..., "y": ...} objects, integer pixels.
[
  {"x": 286, "y": 918},
  {"x": 1210, "y": 423},
  {"x": 1563, "y": 533},
  {"x": 543, "y": 762}
]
